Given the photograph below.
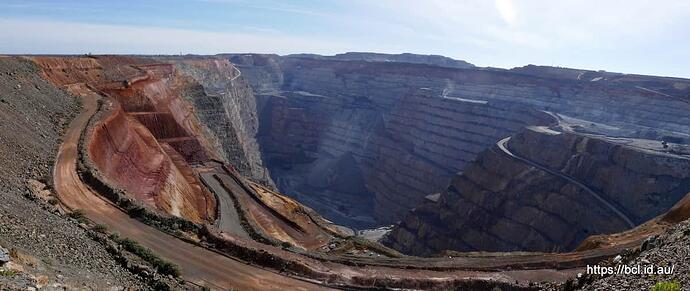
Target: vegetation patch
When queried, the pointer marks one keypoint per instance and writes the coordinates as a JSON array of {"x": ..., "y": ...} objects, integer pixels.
[
  {"x": 78, "y": 215},
  {"x": 161, "y": 265},
  {"x": 666, "y": 286},
  {"x": 8, "y": 273}
]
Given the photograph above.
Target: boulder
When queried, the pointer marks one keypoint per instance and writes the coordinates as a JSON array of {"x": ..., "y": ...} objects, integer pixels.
[{"x": 4, "y": 256}]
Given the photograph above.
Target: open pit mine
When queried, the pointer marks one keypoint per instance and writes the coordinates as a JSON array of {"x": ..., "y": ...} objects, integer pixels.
[{"x": 354, "y": 171}]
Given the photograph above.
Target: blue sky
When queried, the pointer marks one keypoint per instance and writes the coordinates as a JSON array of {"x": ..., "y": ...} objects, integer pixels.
[{"x": 634, "y": 36}]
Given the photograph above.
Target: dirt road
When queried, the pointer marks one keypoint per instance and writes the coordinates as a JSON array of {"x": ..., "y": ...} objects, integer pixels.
[
  {"x": 198, "y": 265},
  {"x": 229, "y": 220},
  {"x": 503, "y": 145}
]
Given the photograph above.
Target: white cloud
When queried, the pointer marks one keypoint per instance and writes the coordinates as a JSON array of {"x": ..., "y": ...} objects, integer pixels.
[
  {"x": 52, "y": 37},
  {"x": 641, "y": 36}
]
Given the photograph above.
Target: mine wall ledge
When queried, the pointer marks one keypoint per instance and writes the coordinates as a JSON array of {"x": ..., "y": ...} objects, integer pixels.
[
  {"x": 254, "y": 230},
  {"x": 233, "y": 247},
  {"x": 247, "y": 224},
  {"x": 296, "y": 267},
  {"x": 92, "y": 177}
]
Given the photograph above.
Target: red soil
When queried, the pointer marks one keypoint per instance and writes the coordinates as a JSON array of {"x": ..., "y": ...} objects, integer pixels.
[{"x": 146, "y": 142}]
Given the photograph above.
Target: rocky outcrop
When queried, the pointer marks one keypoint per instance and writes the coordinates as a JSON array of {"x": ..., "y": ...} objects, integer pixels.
[
  {"x": 500, "y": 203},
  {"x": 666, "y": 251}
]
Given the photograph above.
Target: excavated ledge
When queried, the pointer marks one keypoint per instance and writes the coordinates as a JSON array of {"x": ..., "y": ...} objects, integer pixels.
[{"x": 91, "y": 176}]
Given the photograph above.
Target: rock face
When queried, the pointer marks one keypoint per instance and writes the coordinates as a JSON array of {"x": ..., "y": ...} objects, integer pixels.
[
  {"x": 399, "y": 131},
  {"x": 150, "y": 135},
  {"x": 226, "y": 105},
  {"x": 4, "y": 256},
  {"x": 641, "y": 182},
  {"x": 502, "y": 204},
  {"x": 336, "y": 130}
]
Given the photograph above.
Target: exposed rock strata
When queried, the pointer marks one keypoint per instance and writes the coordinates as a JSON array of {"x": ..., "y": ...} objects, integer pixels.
[
  {"x": 502, "y": 204},
  {"x": 226, "y": 104},
  {"x": 324, "y": 119},
  {"x": 641, "y": 182},
  {"x": 147, "y": 143}
]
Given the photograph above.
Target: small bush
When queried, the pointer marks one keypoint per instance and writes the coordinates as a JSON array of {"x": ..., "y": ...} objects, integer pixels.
[
  {"x": 8, "y": 273},
  {"x": 100, "y": 228},
  {"x": 78, "y": 215},
  {"x": 285, "y": 245},
  {"x": 666, "y": 286},
  {"x": 115, "y": 237},
  {"x": 164, "y": 267}
]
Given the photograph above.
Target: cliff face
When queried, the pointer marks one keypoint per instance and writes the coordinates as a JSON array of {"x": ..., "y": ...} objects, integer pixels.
[
  {"x": 129, "y": 155},
  {"x": 367, "y": 127},
  {"x": 263, "y": 72},
  {"x": 400, "y": 131},
  {"x": 643, "y": 183},
  {"x": 226, "y": 105},
  {"x": 621, "y": 106},
  {"x": 500, "y": 203}
]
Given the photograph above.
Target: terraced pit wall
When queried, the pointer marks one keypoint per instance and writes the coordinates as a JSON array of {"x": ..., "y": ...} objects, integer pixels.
[
  {"x": 226, "y": 105},
  {"x": 367, "y": 132},
  {"x": 501, "y": 204},
  {"x": 643, "y": 184},
  {"x": 360, "y": 130},
  {"x": 149, "y": 139}
]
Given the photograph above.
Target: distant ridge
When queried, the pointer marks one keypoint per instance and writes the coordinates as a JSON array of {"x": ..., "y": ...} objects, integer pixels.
[{"x": 434, "y": 60}]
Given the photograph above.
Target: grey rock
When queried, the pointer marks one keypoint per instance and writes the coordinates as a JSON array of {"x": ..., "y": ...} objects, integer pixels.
[{"x": 4, "y": 256}]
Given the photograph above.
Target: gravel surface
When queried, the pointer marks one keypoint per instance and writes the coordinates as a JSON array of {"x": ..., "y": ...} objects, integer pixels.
[
  {"x": 32, "y": 116},
  {"x": 669, "y": 249}
]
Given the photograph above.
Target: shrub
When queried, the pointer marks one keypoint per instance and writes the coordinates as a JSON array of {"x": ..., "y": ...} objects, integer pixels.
[
  {"x": 163, "y": 266},
  {"x": 100, "y": 228},
  {"x": 8, "y": 273},
  {"x": 78, "y": 215},
  {"x": 666, "y": 286}
]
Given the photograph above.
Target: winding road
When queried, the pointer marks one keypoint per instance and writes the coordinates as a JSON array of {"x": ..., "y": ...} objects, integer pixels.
[
  {"x": 503, "y": 146},
  {"x": 229, "y": 219},
  {"x": 200, "y": 266}
]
